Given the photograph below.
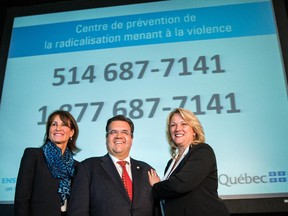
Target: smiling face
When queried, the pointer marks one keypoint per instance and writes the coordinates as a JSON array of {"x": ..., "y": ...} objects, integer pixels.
[
  {"x": 181, "y": 133},
  {"x": 119, "y": 139},
  {"x": 60, "y": 132}
]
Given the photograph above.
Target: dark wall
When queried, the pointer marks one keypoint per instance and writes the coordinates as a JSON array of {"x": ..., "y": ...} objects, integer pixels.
[
  {"x": 234, "y": 206},
  {"x": 6, "y": 4},
  {"x": 7, "y": 210}
]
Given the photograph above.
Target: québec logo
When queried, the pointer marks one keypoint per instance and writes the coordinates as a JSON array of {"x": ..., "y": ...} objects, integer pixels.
[
  {"x": 246, "y": 178},
  {"x": 279, "y": 176}
]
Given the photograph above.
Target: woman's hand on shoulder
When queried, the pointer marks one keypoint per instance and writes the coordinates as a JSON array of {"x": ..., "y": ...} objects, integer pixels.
[{"x": 153, "y": 177}]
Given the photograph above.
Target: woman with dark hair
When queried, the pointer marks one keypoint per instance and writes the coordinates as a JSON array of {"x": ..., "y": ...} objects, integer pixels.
[{"x": 44, "y": 179}]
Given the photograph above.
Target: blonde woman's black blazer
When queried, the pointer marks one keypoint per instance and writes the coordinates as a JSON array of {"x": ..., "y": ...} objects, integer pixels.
[{"x": 192, "y": 187}]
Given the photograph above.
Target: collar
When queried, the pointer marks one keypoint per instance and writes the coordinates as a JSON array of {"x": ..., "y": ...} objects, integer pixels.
[{"x": 115, "y": 160}]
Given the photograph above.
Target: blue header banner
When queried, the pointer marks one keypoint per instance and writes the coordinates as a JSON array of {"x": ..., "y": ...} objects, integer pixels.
[{"x": 144, "y": 29}]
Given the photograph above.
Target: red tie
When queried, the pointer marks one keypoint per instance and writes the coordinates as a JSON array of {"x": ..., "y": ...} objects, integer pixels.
[{"x": 126, "y": 179}]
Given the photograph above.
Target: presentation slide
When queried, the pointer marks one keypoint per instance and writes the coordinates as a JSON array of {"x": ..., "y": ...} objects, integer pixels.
[{"x": 220, "y": 59}]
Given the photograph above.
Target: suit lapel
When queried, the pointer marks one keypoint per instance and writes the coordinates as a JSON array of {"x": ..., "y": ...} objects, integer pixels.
[
  {"x": 137, "y": 170},
  {"x": 181, "y": 164},
  {"x": 111, "y": 170}
]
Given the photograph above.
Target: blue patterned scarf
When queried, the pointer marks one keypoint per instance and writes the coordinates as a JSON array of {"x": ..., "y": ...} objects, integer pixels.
[{"x": 61, "y": 167}]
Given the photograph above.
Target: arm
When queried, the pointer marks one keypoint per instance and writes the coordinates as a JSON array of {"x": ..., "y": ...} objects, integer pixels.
[
  {"x": 79, "y": 202},
  {"x": 200, "y": 163},
  {"x": 24, "y": 185}
]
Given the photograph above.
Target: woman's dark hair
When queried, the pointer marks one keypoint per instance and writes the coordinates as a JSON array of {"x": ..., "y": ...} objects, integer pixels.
[{"x": 68, "y": 119}]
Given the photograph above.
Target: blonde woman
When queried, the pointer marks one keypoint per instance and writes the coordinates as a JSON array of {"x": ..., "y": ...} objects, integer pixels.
[{"x": 190, "y": 182}]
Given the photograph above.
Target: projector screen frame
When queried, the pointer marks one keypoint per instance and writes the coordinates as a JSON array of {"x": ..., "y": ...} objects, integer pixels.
[{"x": 236, "y": 206}]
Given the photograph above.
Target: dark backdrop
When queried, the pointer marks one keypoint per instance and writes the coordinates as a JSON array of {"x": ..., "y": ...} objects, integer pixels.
[{"x": 7, "y": 209}]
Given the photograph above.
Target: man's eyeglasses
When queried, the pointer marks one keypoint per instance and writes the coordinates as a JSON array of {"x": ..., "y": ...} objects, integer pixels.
[{"x": 116, "y": 132}]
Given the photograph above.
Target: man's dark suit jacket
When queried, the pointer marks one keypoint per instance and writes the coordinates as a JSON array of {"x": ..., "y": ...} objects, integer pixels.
[
  {"x": 36, "y": 189},
  {"x": 99, "y": 191},
  {"x": 192, "y": 187}
]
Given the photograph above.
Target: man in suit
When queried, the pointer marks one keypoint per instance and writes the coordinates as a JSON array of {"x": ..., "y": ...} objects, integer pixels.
[{"x": 98, "y": 189}]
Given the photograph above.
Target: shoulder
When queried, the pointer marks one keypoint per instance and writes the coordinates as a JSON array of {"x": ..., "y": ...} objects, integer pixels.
[
  {"x": 202, "y": 146},
  {"x": 202, "y": 149},
  {"x": 93, "y": 160},
  {"x": 140, "y": 163},
  {"x": 93, "y": 165},
  {"x": 76, "y": 162},
  {"x": 33, "y": 151},
  {"x": 32, "y": 155}
]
